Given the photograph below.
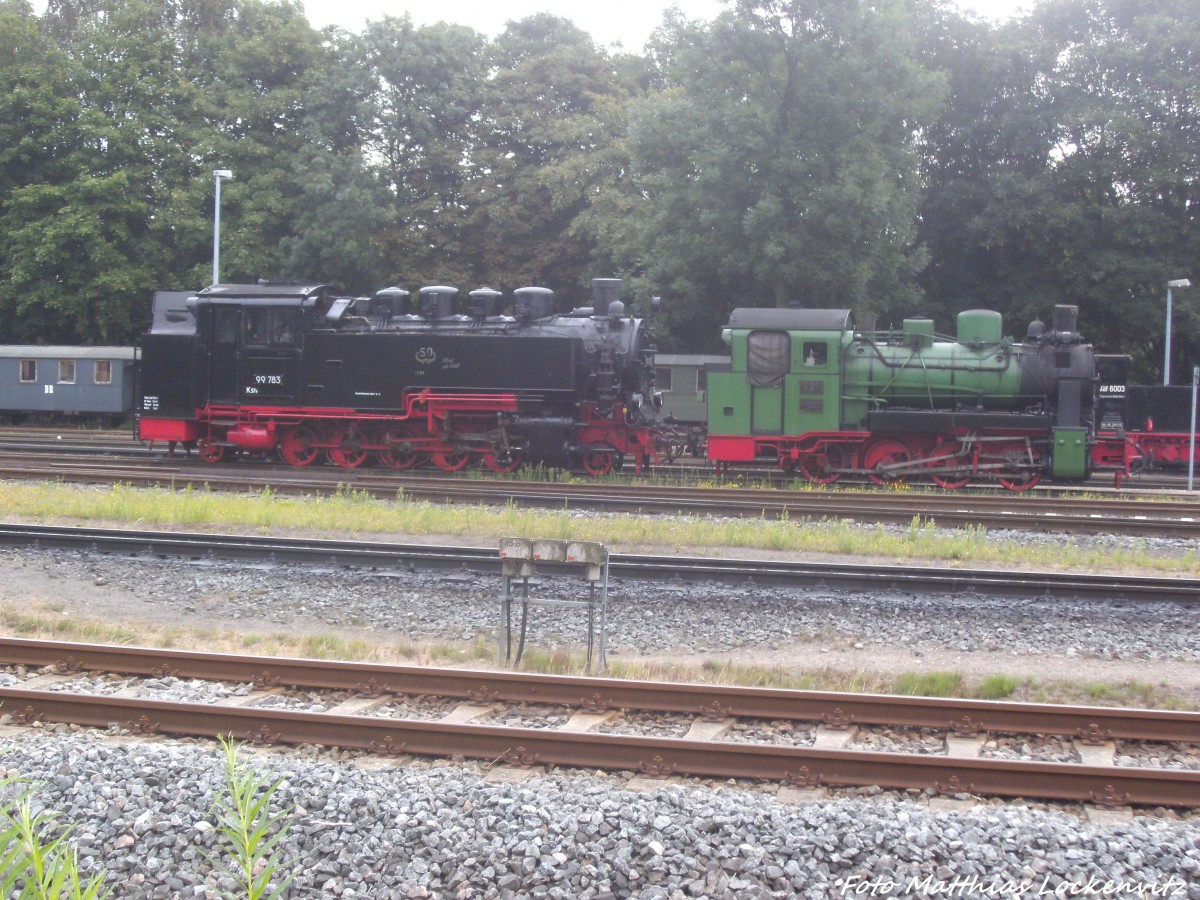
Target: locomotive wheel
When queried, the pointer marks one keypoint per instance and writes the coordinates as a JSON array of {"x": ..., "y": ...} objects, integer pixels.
[
  {"x": 600, "y": 459},
  {"x": 451, "y": 460},
  {"x": 210, "y": 452},
  {"x": 1018, "y": 473},
  {"x": 882, "y": 454},
  {"x": 946, "y": 457},
  {"x": 296, "y": 446},
  {"x": 400, "y": 454},
  {"x": 508, "y": 461},
  {"x": 820, "y": 468},
  {"x": 347, "y": 451}
]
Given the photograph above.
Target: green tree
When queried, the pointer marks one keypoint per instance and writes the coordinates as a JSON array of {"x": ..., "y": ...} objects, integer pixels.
[
  {"x": 1067, "y": 171},
  {"x": 553, "y": 121},
  {"x": 421, "y": 140},
  {"x": 779, "y": 163}
]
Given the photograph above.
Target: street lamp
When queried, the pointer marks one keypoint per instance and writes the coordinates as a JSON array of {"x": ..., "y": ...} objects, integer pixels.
[
  {"x": 1176, "y": 283},
  {"x": 221, "y": 174}
]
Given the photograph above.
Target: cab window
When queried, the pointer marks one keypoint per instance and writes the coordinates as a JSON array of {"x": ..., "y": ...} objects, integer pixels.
[{"x": 815, "y": 353}]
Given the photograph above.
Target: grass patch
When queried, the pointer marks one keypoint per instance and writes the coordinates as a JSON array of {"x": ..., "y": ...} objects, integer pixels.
[
  {"x": 998, "y": 687},
  {"x": 930, "y": 684},
  {"x": 358, "y": 514}
]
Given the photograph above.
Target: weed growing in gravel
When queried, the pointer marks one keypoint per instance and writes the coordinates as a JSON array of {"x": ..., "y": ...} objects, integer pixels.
[
  {"x": 249, "y": 830},
  {"x": 37, "y": 862}
]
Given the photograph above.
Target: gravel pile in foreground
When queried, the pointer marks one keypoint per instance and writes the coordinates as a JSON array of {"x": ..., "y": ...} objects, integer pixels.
[{"x": 143, "y": 810}]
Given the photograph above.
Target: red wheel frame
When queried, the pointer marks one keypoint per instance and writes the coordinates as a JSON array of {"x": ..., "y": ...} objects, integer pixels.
[
  {"x": 347, "y": 451},
  {"x": 296, "y": 446},
  {"x": 820, "y": 468},
  {"x": 1017, "y": 455},
  {"x": 600, "y": 459},
  {"x": 885, "y": 453},
  {"x": 210, "y": 452},
  {"x": 946, "y": 457},
  {"x": 400, "y": 453},
  {"x": 451, "y": 460}
]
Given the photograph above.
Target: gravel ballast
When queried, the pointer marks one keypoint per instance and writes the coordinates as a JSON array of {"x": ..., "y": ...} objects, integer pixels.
[{"x": 143, "y": 811}]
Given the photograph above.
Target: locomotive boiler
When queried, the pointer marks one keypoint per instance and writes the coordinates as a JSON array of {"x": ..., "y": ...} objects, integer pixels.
[
  {"x": 805, "y": 389},
  {"x": 401, "y": 379}
]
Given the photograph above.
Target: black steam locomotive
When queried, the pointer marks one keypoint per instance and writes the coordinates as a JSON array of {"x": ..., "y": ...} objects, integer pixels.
[{"x": 299, "y": 370}]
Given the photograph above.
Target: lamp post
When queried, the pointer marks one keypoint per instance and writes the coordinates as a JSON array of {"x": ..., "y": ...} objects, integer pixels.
[
  {"x": 221, "y": 174},
  {"x": 1176, "y": 283}
]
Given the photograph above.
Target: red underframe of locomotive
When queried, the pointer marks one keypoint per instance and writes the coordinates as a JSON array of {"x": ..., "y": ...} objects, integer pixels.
[{"x": 446, "y": 427}]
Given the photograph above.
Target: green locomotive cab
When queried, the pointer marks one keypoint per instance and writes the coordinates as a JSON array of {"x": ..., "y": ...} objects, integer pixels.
[{"x": 804, "y": 388}]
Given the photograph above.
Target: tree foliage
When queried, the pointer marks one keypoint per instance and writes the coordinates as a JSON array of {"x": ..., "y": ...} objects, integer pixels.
[
  {"x": 780, "y": 160},
  {"x": 894, "y": 157}
]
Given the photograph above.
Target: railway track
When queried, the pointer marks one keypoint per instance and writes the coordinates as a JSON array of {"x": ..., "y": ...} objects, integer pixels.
[
  {"x": 399, "y": 558},
  {"x": 358, "y": 717},
  {"x": 1157, "y": 517}
]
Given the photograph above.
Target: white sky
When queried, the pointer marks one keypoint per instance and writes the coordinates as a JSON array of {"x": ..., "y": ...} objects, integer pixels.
[
  {"x": 628, "y": 21},
  {"x": 607, "y": 21}
]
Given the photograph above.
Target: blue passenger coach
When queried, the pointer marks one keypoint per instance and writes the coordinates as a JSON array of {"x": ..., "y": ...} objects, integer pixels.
[{"x": 65, "y": 381}]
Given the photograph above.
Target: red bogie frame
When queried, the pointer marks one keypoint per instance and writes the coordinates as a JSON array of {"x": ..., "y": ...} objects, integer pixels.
[
  {"x": 1014, "y": 458},
  {"x": 451, "y": 430}
]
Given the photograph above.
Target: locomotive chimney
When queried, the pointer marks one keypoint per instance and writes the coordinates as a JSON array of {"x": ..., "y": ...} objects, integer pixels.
[
  {"x": 1066, "y": 320},
  {"x": 606, "y": 292}
]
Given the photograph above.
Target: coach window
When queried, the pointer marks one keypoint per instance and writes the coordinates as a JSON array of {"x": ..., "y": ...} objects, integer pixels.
[
  {"x": 662, "y": 378},
  {"x": 816, "y": 353},
  {"x": 768, "y": 357},
  {"x": 66, "y": 371},
  {"x": 28, "y": 370},
  {"x": 104, "y": 371},
  {"x": 701, "y": 379}
]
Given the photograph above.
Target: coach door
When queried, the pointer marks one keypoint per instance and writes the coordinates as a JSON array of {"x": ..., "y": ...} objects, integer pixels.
[{"x": 768, "y": 358}]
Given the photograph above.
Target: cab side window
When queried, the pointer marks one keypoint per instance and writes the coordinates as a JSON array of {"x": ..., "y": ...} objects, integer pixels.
[
  {"x": 815, "y": 353},
  {"x": 225, "y": 324},
  {"x": 257, "y": 325}
]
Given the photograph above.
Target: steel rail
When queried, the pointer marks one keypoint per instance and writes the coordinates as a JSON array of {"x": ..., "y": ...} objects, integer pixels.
[
  {"x": 705, "y": 700},
  {"x": 395, "y": 557},
  {"x": 1108, "y": 785}
]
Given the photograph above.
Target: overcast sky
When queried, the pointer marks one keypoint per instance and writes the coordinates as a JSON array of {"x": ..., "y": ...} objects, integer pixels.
[
  {"x": 629, "y": 22},
  {"x": 607, "y": 21}
]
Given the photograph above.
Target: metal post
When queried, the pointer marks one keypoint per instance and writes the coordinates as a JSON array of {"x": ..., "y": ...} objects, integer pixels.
[
  {"x": 218, "y": 175},
  {"x": 1167, "y": 342},
  {"x": 1192, "y": 438},
  {"x": 505, "y": 629},
  {"x": 1173, "y": 283}
]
